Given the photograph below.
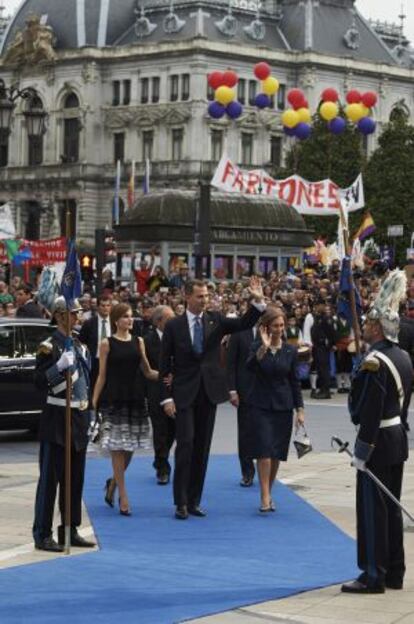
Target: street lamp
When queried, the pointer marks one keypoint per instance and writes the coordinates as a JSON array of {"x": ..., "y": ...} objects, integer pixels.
[
  {"x": 35, "y": 117},
  {"x": 8, "y": 97}
]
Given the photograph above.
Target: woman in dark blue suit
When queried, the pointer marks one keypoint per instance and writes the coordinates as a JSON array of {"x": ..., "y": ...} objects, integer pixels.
[{"x": 276, "y": 394}]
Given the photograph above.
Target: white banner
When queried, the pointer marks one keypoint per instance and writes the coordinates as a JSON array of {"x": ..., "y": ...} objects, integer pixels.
[
  {"x": 312, "y": 198},
  {"x": 7, "y": 227}
]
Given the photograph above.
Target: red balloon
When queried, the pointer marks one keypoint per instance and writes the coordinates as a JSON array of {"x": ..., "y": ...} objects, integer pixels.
[
  {"x": 215, "y": 79},
  {"x": 262, "y": 70},
  {"x": 353, "y": 97},
  {"x": 369, "y": 99},
  {"x": 296, "y": 98},
  {"x": 230, "y": 78},
  {"x": 330, "y": 95}
]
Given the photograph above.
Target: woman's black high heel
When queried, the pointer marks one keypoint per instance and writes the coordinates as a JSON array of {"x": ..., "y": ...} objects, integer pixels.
[
  {"x": 124, "y": 512},
  {"x": 109, "y": 489}
]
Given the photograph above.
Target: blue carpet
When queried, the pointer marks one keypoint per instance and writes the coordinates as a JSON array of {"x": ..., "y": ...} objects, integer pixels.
[{"x": 153, "y": 569}]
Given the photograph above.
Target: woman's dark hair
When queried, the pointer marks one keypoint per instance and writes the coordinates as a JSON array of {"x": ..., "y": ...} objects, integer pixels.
[{"x": 118, "y": 312}]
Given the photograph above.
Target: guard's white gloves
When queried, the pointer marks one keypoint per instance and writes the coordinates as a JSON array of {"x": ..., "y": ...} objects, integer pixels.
[
  {"x": 357, "y": 463},
  {"x": 66, "y": 360}
]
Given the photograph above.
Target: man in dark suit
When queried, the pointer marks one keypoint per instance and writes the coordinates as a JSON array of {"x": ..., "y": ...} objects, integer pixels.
[
  {"x": 240, "y": 380},
  {"x": 163, "y": 428},
  {"x": 190, "y": 351},
  {"x": 26, "y": 307},
  {"x": 93, "y": 331}
]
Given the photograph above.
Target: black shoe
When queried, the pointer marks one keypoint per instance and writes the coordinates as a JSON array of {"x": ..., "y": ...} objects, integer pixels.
[
  {"x": 75, "y": 539},
  {"x": 48, "y": 544},
  {"x": 246, "y": 481},
  {"x": 163, "y": 478},
  {"x": 393, "y": 583},
  {"x": 322, "y": 394},
  {"x": 197, "y": 511},
  {"x": 109, "y": 489},
  {"x": 356, "y": 587},
  {"x": 312, "y": 394},
  {"x": 124, "y": 512},
  {"x": 181, "y": 513}
]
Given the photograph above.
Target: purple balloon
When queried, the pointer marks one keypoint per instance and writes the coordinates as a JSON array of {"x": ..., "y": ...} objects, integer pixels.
[
  {"x": 289, "y": 131},
  {"x": 366, "y": 125},
  {"x": 303, "y": 131},
  {"x": 234, "y": 109},
  {"x": 262, "y": 101},
  {"x": 216, "y": 110},
  {"x": 337, "y": 125}
]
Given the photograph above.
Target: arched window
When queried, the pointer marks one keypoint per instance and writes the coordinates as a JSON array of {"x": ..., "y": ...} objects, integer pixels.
[
  {"x": 35, "y": 124},
  {"x": 71, "y": 129}
]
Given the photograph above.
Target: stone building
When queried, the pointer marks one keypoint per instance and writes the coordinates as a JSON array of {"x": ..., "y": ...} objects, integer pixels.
[{"x": 126, "y": 80}]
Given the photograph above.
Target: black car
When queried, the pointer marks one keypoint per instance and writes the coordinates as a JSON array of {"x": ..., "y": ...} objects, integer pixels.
[{"x": 20, "y": 402}]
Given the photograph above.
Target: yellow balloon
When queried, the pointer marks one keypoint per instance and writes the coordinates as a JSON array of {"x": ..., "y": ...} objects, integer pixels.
[
  {"x": 290, "y": 118},
  {"x": 270, "y": 86},
  {"x": 304, "y": 115},
  {"x": 329, "y": 110},
  {"x": 355, "y": 112},
  {"x": 366, "y": 111},
  {"x": 224, "y": 95}
]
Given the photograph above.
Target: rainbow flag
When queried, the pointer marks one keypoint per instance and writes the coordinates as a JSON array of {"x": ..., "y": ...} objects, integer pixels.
[{"x": 366, "y": 228}]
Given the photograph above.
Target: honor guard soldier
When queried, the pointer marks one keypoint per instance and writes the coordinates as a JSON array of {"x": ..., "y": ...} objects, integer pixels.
[
  {"x": 55, "y": 356},
  {"x": 378, "y": 402}
]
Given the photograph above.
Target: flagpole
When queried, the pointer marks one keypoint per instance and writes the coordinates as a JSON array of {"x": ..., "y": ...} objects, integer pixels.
[
  {"x": 352, "y": 299},
  {"x": 68, "y": 419}
]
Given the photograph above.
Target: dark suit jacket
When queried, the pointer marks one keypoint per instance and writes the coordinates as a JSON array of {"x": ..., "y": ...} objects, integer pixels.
[
  {"x": 153, "y": 351},
  {"x": 276, "y": 385},
  {"x": 29, "y": 310},
  {"x": 88, "y": 335},
  {"x": 190, "y": 370},
  {"x": 239, "y": 377}
]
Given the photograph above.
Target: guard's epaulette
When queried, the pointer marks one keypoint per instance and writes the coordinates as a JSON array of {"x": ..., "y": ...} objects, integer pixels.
[
  {"x": 370, "y": 364},
  {"x": 45, "y": 347}
]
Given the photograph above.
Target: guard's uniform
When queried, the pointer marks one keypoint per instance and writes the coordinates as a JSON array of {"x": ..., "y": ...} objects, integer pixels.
[
  {"x": 379, "y": 407},
  {"x": 52, "y": 432}
]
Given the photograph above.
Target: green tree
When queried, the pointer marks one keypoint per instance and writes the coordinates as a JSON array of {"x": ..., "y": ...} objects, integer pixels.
[
  {"x": 389, "y": 181},
  {"x": 324, "y": 155}
]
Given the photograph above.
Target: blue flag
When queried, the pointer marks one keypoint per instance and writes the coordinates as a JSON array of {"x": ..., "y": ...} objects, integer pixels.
[
  {"x": 71, "y": 286},
  {"x": 344, "y": 302}
]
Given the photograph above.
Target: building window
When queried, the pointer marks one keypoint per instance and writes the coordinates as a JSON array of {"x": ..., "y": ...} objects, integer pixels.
[
  {"x": 35, "y": 144},
  {"x": 71, "y": 101},
  {"x": 155, "y": 90},
  {"x": 71, "y": 140},
  {"x": 116, "y": 93},
  {"x": 4, "y": 148},
  {"x": 185, "y": 87},
  {"x": 246, "y": 148},
  {"x": 276, "y": 151},
  {"x": 35, "y": 141},
  {"x": 244, "y": 266},
  {"x": 252, "y": 92},
  {"x": 127, "y": 92},
  {"x": 177, "y": 144},
  {"x": 210, "y": 93},
  {"x": 216, "y": 144},
  {"x": 147, "y": 144},
  {"x": 144, "y": 90},
  {"x": 174, "y": 88},
  {"x": 223, "y": 267},
  {"x": 119, "y": 146},
  {"x": 241, "y": 91},
  {"x": 281, "y": 97}
]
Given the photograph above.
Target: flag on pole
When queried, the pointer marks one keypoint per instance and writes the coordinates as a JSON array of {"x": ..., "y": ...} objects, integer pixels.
[
  {"x": 131, "y": 187},
  {"x": 344, "y": 302},
  {"x": 146, "y": 181},
  {"x": 366, "y": 228},
  {"x": 115, "y": 216},
  {"x": 71, "y": 286}
]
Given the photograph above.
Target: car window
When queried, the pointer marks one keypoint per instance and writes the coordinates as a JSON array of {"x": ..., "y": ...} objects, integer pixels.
[
  {"x": 7, "y": 342},
  {"x": 33, "y": 335}
]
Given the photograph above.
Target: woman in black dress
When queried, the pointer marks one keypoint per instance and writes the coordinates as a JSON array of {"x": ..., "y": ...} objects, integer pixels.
[
  {"x": 120, "y": 398},
  {"x": 276, "y": 394}
]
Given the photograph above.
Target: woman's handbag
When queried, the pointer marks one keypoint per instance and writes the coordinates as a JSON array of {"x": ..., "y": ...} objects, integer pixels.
[
  {"x": 95, "y": 427},
  {"x": 302, "y": 442}
]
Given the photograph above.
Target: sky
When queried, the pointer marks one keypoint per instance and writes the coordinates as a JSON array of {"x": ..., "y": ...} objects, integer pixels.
[{"x": 383, "y": 10}]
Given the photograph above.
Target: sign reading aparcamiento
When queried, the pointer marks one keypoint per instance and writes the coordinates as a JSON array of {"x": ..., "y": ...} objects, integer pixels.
[{"x": 312, "y": 198}]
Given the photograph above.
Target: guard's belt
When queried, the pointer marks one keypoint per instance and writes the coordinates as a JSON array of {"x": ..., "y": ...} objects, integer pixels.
[
  {"x": 81, "y": 405},
  {"x": 390, "y": 422},
  {"x": 62, "y": 386}
]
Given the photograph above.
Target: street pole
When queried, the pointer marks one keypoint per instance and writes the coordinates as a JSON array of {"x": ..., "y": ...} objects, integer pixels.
[
  {"x": 68, "y": 418},
  {"x": 352, "y": 299}
]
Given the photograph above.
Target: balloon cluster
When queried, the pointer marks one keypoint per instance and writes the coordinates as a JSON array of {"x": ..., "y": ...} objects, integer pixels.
[
  {"x": 358, "y": 110},
  {"x": 225, "y": 101},
  {"x": 270, "y": 85},
  {"x": 296, "y": 120}
]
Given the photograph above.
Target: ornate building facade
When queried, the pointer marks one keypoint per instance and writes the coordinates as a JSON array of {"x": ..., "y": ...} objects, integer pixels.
[{"x": 126, "y": 80}]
